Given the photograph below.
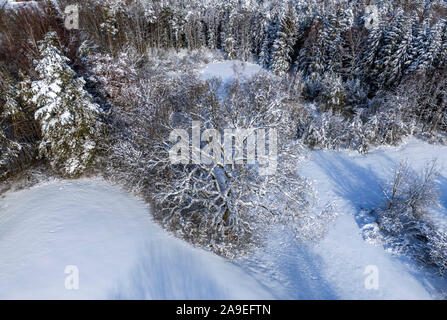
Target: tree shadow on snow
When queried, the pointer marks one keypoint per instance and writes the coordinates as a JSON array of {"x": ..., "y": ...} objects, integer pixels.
[
  {"x": 173, "y": 270},
  {"x": 289, "y": 268},
  {"x": 360, "y": 185}
]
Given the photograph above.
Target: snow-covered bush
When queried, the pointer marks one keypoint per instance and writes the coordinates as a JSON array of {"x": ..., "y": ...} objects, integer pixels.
[
  {"x": 66, "y": 112},
  {"x": 325, "y": 130},
  {"x": 390, "y": 122},
  {"x": 230, "y": 48},
  {"x": 386, "y": 120},
  {"x": 11, "y": 153},
  {"x": 404, "y": 218}
]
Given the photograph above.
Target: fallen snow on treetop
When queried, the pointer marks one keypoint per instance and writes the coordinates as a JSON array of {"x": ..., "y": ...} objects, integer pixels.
[{"x": 16, "y": 5}]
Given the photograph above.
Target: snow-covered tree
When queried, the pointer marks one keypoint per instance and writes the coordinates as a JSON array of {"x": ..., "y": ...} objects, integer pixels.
[
  {"x": 17, "y": 129},
  {"x": 332, "y": 94},
  {"x": 355, "y": 135},
  {"x": 394, "y": 70},
  {"x": 10, "y": 152},
  {"x": 270, "y": 30},
  {"x": 285, "y": 42},
  {"x": 230, "y": 48},
  {"x": 215, "y": 203},
  {"x": 109, "y": 26},
  {"x": 326, "y": 130},
  {"x": 224, "y": 206},
  {"x": 432, "y": 50},
  {"x": 372, "y": 47},
  {"x": 394, "y": 50},
  {"x": 9, "y": 149},
  {"x": 66, "y": 112},
  {"x": 443, "y": 53}
]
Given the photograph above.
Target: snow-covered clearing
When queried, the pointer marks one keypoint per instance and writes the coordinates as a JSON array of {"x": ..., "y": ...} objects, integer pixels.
[
  {"x": 109, "y": 236},
  {"x": 229, "y": 70}
]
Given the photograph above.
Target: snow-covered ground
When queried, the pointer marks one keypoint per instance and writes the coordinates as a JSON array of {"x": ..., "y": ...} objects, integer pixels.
[
  {"x": 109, "y": 236},
  {"x": 335, "y": 267},
  {"x": 354, "y": 181}
]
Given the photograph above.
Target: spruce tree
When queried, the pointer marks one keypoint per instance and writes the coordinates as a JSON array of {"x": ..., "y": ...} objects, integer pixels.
[
  {"x": 392, "y": 55},
  {"x": 433, "y": 49},
  {"x": 418, "y": 46},
  {"x": 66, "y": 112},
  {"x": 285, "y": 42},
  {"x": 399, "y": 56},
  {"x": 371, "y": 51}
]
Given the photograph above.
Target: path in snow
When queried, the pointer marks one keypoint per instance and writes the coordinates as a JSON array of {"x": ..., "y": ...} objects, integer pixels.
[{"x": 109, "y": 236}]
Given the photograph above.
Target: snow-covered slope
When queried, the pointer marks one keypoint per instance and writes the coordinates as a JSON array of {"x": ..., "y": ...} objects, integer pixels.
[
  {"x": 109, "y": 236},
  {"x": 335, "y": 267}
]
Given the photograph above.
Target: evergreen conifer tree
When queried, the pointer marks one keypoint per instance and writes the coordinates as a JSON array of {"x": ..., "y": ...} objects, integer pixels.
[{"x": 66, "y": 112}]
